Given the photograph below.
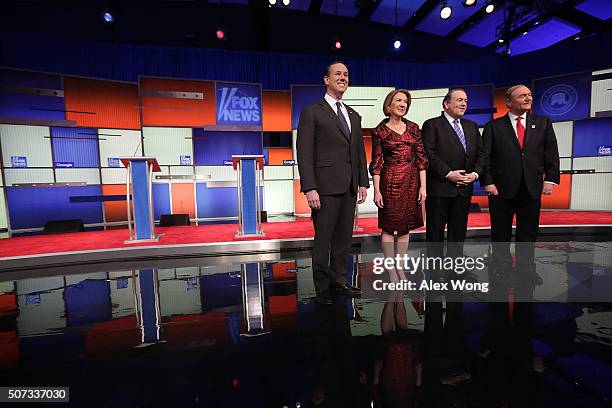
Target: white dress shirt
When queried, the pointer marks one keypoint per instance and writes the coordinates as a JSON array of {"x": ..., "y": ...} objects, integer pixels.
[
  {"x": 513, "y": 122},
  {"x": 332, "y": 102}
]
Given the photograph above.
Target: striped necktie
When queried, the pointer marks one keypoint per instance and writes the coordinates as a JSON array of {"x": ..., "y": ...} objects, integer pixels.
[{"x": 460, "y": 134}]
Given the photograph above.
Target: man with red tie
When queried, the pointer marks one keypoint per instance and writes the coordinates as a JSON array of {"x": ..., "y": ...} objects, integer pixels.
[{"x": 521, "y": 165}]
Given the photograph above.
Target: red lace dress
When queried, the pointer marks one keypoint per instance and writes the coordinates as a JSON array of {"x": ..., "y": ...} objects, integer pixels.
[{"x": 398, "y": 160}]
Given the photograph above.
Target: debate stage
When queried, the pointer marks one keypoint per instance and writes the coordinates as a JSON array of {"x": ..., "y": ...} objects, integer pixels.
[{"x": 48, "y": 251}]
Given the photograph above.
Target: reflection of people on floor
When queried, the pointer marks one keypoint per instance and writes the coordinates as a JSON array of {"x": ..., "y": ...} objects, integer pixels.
[
  {"x": 335, "y": 378},
  {"x": 397, "y": 375},
  {"x": 446, "y": 357},
  {"x": 510, "y": 366}
]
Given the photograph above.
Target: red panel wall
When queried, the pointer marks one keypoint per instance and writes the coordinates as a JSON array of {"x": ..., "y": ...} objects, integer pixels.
[
  {"x": 499, "y": 103},
  {"x": 299, "y": 200},
  {"x": 560, "y": 199},
  {"x": 114, "y": 210},
  {"x": 183, "y": 199},
  {"x": 173, "y": 111},
  {"x": 276, "y": 155},
  {"x": 101, "y": 104},
  {"x": 276, "y": 111}
]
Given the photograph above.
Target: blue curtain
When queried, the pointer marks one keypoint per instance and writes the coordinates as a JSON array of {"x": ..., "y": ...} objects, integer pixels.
[{"x": 44, "y": 52}]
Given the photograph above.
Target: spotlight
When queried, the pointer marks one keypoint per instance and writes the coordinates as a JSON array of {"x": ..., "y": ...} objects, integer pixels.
[
  {"x": 286, "y": 2},
  {"x": 445, "y": 12},
  {"x": 272, "y": 2},
  {"x": 501, "y": 40},
  {"x": 397, "y": 44},
  {"x": 337, "y": 44},
  {"x": 108, "y": 17},
  {"x": 490, "y": 7},
  {"x": 526, "y": 32},
  {"x": 220, "y": 34},
  {"x": 469, "y": 3}
]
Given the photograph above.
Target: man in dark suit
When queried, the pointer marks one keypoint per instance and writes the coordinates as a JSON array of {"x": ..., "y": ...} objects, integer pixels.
[
  {"x": 456, "y": 159},
  {"x": 332, "y": 165},
  {"x": 522, "y": 163}
]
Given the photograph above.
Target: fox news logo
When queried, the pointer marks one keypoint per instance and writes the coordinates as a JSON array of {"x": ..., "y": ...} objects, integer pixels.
[
  {"x": 604, "y": 151},
  {"x": 238, "y": 106}
]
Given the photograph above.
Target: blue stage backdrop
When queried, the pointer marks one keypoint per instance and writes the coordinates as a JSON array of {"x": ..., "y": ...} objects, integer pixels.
[
  {"x": 31, "y": 207},
  {"x": 302, "y": 96},
  {"x": 480, "y": 103},
  {"x": 215, "y": 148},
  {"x": 563, "y": 98},
  {"x": 21, "y": 97},
  {"x": 238, "y": 104},
  {"x": 593, "y": 137}
]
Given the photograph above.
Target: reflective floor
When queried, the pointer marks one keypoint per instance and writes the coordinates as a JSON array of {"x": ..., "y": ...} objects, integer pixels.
[{"x": 247, "y": 332}]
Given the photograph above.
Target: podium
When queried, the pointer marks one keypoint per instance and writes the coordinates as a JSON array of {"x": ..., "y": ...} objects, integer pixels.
[
  {"x": 140, "y": 176},
  {"x": 249, "y": 172}
]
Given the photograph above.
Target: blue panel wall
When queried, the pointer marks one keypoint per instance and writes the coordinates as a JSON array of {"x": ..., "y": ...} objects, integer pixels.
[
  {"x": 31, "y": 207},
  {"x": 301, "y": 96},
  {"x": 78, "y": 146},
  {"x": 563, "y": 98},
  {"x": 31, "y": 106},
  {"x": 216, "y": 201},
  {"x": 88, "y": 302},
  {"x": 480, "y": 98},
  {"x": 161, "y": 200},
  {"x": 27, "y": 105},
  {"x": 213, "y": 148},
  {"x": 593, "y": 137},
  {"x": 12, "y": 77}
]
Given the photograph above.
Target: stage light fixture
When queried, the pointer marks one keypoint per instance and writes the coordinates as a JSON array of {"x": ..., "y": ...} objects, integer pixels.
[
  {"x": 501, "y": 40},
  {"x": 397, "y": 44},
  {"x": 469, "y": 3},
  {"x": 337, "y": 44},
  {"x": 220, "y": 34},
  {"x": 286, "y": 3},
  {"x": 490, "y": 8},
  {"x": 272, "y": 2},
  {"x": 108, "y": 17},
  {"x": 526, "y": 32},
  {"x": 446, "y": 11}
]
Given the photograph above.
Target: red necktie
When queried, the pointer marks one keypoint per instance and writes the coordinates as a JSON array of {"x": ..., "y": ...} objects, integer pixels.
[{"x": 520, "y": 131}]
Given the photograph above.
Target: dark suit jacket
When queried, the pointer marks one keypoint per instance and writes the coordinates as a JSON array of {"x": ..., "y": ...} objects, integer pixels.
[
  {"x": 505, "y": 161},
  {"x": 328, "y": 160},
  {"x": 445, "y": 153}
]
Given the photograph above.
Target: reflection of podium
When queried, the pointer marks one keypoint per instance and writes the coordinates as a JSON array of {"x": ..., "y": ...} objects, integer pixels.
[
  {"x": 139, "y": 174},
  {"x": 249, "y": 169}
]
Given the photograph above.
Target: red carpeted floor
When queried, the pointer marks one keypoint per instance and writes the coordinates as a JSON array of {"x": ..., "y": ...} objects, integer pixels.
[{"x": 302, "y": 228}]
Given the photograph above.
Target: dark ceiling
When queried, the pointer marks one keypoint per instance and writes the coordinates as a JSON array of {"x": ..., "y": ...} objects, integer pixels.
[{"x": 366, "y": 28}]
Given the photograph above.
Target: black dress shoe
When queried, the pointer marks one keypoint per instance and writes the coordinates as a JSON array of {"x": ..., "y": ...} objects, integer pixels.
[
  {"x": 324, "y": 298},
  {"x": 346, "y": 290}
]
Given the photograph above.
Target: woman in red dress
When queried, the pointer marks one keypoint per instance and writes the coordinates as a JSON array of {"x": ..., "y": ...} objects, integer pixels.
[{"x": 398, "y": 170}]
